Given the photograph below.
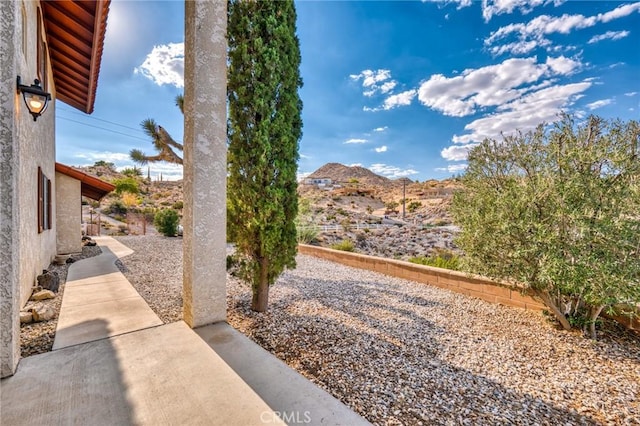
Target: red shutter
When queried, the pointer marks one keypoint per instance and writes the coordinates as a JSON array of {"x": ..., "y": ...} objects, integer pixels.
[
  {"x": 49, "y": 196},
  {"x": 40, "y": 202}
]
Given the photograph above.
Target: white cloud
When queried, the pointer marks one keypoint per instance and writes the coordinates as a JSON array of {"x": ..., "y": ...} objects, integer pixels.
[
  {"x": 388, "y": 86},
  {"x": 164, "y": 65},
  {"x": 355, "y": 141},
  {"x": 452, "y": 168},
  {"x": 599, "y": 104},
  {"x": 460, "y": 3},
  {"x": 518, "y": 47},
  {"x": 305, "y": 157},
  {"x": 401, "y": 99},
  {"x": 391, "y": 171},
  {"x": 301, "y": 175},
  {"x": 457, "y": 152},
  {"x": 619, "y": 12},
  {"x": 355, "y": 165},
  {"x": 169, "y": 171},
  {"x": 609, "y": 35},
  {"x": 375, "y": 82},
  {"x": 543, "y": 25},
  {"x": 109, "y": 157},
  {"x": 492, "y": 85},
  {"x": 380, "y": 129},
  {"x": 525, "y": 113},
  {"x": 492, "y": 8},
  {"x": 382, "y": 148},
  {"x": 631, "y": 93}
]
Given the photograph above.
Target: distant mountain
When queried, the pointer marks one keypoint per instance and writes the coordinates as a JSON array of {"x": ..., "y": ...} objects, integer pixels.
[{"x": 340, "y": 173}]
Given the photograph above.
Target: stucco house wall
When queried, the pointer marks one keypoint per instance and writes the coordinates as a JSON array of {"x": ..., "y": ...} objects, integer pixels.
[
  {"x": 68, "y": 214},
  {"x": 25, "y": 146}
]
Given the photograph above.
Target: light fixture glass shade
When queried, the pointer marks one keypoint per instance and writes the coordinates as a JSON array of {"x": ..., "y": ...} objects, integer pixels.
[
  {"x": 35, "y": 98},
  {"x": 35, "y": 103}
]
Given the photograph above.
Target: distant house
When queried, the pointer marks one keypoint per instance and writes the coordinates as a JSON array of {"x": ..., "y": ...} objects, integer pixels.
[
  {"x": 320, "y": 182},
  {"x": 58, "y": 43}
]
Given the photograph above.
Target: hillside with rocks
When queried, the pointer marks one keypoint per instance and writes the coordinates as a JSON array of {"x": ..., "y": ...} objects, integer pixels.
[{"x": 355, "y": 197}]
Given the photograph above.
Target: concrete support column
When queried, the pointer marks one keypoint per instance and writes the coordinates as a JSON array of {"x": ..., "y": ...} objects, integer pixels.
[
  {"x": 205, "y": 162},
  {"x": 9, "y": 166}
]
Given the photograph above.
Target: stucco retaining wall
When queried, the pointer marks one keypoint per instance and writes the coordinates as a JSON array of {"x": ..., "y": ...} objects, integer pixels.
[{"x": 459, "y": 282}]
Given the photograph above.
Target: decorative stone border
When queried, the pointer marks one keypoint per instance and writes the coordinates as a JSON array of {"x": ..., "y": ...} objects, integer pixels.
[{"x": 459, "y": 282}]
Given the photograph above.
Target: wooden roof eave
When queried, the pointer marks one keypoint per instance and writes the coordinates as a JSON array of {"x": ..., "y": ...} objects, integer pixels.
[{"x": 90, "y": 186}]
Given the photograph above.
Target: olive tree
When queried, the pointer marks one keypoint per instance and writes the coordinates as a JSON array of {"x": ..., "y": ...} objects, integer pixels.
[{"x": 557, "y": 211}]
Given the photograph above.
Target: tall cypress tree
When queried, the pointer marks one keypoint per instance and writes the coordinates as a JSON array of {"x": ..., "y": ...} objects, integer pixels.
[{"x": 264, "y": 128}]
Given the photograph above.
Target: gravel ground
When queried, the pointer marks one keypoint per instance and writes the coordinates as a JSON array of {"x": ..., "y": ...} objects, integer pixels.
[
  {"x": 37, "y": 337},
  {"x": 400, "y": 352}
]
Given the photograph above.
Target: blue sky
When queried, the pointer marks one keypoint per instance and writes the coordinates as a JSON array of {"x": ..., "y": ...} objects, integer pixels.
[{"x": 402, "y": 88}]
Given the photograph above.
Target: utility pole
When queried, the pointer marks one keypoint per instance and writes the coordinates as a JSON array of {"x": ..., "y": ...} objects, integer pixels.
[{"x": 404, "y": 198}]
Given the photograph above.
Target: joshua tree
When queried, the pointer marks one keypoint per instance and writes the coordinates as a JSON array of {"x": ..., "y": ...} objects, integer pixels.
[{"x": 162, "y": 142}]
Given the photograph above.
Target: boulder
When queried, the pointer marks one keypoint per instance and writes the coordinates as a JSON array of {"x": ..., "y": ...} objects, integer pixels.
[
  {"x": 42, "y": 313},
  {"x": 49, "y": 280},
  {"x": 61, "y": 259},
  {"x": 26, "y": 317},
  {"x": 43, "y": 295}
]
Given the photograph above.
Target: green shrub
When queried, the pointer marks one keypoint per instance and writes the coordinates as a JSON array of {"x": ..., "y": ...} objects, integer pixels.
[
  {"x": 166, "y": 222},
  {"x": 307, "y": 234},
  {"x": 116, "y": 208},
  {"x": 178, "y": 205},
  {"x": 413, "y": 206},
  {"x": 344, "y": 245},
  {"x": 126, "y": 184},
  {"x": 442, "y": 259}
]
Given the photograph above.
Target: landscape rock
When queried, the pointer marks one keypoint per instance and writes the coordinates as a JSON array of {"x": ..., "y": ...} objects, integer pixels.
[
  {"x": 43, "y": 295},
  {"x": 61, "y": 259},
  {"x": 26, "y": 317},
  {"x": 49, "y": 280},
  {"x": 42, "y": 313}
]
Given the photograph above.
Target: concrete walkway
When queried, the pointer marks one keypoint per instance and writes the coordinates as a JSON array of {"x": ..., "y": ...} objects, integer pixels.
[{"x": 114, "y": 363}]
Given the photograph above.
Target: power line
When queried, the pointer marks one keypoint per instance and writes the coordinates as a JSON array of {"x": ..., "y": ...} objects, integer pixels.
[
  {"x": 100, "y": 119},
  {"x": 102, "y": 128}
]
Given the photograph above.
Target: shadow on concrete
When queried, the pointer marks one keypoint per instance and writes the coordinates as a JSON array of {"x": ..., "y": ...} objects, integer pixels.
[
  {"x": 81, "y": 385},
  {"x": 102, "y": 264}
]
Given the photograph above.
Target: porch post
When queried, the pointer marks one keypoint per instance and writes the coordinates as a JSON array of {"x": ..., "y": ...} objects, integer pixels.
[
  {"x": 205, "y": 162},
  {"x": 9, "y": 224}
]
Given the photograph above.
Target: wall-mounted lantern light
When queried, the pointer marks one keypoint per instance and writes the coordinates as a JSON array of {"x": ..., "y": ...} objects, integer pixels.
[{"x": 34, "y": 97}]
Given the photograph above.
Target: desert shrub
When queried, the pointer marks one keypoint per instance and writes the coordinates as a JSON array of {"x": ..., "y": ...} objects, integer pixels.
[
  {"x": 344, "y": 245},
  {"x": 307, "y": 234},
  {"x": 342, "y": 212},
  {"x": 362, "y": 237},
  {"x": 116, "y": 208},
  {"x": 441, "y": 222},
  {"x": 126, "y": 184},
  {"x": 178, "y": 205},
  {"x": 413, "y": 206},
  {"x": 166, "y": 222},
  {"x": 346, "y": 224},
  {"x": 442, "y": 259}
]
